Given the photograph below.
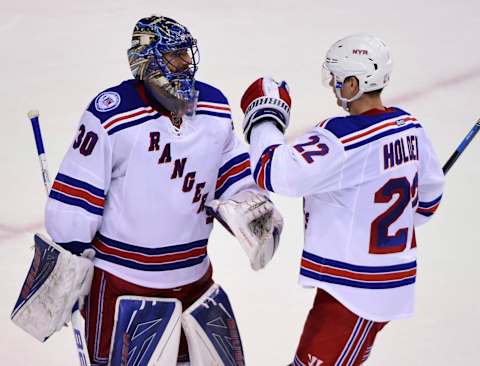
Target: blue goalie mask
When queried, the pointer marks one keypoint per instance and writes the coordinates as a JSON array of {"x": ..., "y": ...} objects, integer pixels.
[{"x": 165, "y": 56}]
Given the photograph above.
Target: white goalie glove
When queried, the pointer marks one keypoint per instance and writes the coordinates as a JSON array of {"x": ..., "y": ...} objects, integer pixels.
[{"x": 253, "y": 219}]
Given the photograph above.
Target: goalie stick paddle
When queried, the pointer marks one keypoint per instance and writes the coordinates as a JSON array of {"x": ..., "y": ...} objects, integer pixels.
[
  {"x": 461, "y": 148},
  {"x": 78, "y": 324}
]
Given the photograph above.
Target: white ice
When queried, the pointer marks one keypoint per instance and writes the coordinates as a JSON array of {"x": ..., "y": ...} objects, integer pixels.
[{"x": 57, "y": 55}]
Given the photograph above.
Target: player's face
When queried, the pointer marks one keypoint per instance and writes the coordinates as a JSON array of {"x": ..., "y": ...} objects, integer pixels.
[{"x": 179, "y": 60}]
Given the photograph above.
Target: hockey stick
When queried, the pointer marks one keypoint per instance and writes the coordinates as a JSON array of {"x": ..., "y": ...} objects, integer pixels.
[
  {"x": 78, "y": 323},
  {"x": 37, "y": 133},
  {"x": 463, "y": 145}
]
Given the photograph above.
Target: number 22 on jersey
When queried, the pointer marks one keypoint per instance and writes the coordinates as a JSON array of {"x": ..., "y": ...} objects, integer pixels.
[{"x": 380, "y": 240}]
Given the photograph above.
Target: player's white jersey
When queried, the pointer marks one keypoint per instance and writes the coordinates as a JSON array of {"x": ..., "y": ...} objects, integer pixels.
[
  {"x": 367, "y": 181},
  {"x": 135, "y": 187}
]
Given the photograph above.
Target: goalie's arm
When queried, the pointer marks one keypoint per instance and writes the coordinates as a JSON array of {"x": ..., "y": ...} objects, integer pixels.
[
  {"x": 74, "y": 209},
  {"x": 234, "y": 173}
]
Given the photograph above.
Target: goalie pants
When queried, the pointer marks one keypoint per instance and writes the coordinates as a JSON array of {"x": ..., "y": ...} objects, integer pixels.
[
  {"x": 334, "y": 336},
  {"x": 100, "y": 309}
]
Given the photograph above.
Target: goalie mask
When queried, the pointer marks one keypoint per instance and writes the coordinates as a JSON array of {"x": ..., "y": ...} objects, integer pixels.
[
  {"x": 363, "y": 56},
  {"x": 164, "y": 55}
]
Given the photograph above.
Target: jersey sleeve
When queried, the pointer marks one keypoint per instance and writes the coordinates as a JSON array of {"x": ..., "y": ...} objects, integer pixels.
[
  {"x": 76, "y": 202},
  {"x": 235, "y": 174},
  {"x": 313, "y": 164},
  {"x": 431, "y": 181}
]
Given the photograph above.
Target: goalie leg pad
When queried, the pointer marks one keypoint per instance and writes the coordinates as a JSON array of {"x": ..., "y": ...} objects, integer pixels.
[
  {"x": 146, "y": 331},
  {"x": 212, "y": 332},
  {"x": 55, "y": 281}
]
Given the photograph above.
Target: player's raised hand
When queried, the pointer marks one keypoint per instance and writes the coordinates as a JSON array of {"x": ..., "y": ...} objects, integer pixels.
[{"x": 265, "y": 99}]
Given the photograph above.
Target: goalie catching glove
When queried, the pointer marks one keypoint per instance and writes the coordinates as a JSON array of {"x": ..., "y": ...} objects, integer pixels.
[
  {"x": 265, "y": 99},
  {"x": 253, "y": 219}
]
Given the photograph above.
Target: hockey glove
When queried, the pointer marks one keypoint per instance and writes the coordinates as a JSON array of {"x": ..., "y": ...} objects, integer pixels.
[
  {"x": 265, "y": 99},
  {"x": 253, "y": 219},
  {"x": 54, "y": 283}
]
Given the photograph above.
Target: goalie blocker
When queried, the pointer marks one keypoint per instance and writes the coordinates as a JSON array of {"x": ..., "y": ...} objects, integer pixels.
[{"x": 55, "y": 282}]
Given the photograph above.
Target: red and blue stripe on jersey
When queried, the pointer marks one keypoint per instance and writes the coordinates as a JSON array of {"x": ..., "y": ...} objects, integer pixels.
[
  {"x": 130, "y": 118},
  {"x": 211, "y": 101},
  {"x": 214, "y": 109},
  {"x": 368, "y": 277},
  {"x": 135, "y": 107},
  {"x": 231, "y": 172},
  {"x": 78, "y": 193},
  {"x": 150, "y": 259},
  {"x": 262, "y": 173},
  {"x": 358, "y": 130},
  {"x": 429, "y": 208}
]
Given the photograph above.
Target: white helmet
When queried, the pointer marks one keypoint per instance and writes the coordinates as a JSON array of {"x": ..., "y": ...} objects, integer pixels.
[{"x": 361, "y": 55}]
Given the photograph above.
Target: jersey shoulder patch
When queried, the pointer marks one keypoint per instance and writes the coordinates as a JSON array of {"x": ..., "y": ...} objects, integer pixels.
[
  {"x": 212, "y": 102},
  {"x": 107, "y": 101},
  {"x": 116, "y": 100},
  {"x": 122, "y": 107}
]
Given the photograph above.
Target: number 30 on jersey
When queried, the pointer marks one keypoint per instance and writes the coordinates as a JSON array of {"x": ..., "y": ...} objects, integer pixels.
[{"x": 85, "y": 141}]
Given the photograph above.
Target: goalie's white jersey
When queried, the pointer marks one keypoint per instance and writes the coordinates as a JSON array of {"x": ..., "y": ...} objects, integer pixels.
[
  {"x": 367, "y": 182},
  {"x": 135, "y": 187}
]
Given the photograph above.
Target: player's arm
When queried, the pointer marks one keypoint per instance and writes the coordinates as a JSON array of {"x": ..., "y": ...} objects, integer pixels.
[
  {"x": 431, "y": 181},
  {"x": 76, "y": 202},
  {"x": 72, "y": 217},
  {"x": 314, "y": 163}
]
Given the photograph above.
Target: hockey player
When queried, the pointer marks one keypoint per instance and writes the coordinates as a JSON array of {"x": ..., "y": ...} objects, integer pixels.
[
  {"x": 148, "y": 157},
  {"x": 368, "y": 180}
]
